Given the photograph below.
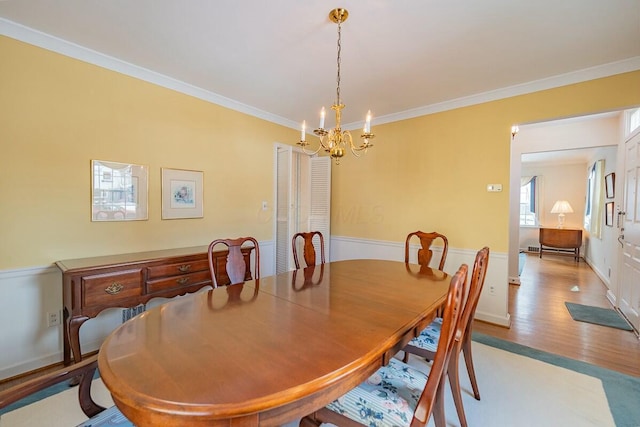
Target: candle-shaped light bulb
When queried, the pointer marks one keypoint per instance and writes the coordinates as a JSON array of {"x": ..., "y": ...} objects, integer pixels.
[
  {"x": 367, "y": 124},
  {"x": 322, "y": 114},
  {"x": 303, "y": 131}
]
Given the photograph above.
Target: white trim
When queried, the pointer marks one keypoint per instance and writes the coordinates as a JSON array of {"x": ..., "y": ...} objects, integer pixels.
[
  {"x": 55, "y": 44},
  {"x": 514, "y": 280},
  {"x": 28, "y": 293},
  {"x": 28, "y": 271},
  {"x": 592, "y": 73},
  {"x": 492, "y": 308},
  {"x": 63, "y": 47}
]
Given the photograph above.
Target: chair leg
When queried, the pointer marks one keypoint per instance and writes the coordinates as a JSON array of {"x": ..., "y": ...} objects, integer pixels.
[
  {"x": 468, "y": 360},
  {"x": 308, "y": 421},
  {"x": 438, "y": 407},
  {"x": 454, "y": 381}
]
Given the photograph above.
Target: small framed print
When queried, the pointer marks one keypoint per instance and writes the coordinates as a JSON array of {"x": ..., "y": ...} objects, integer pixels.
[
  {"x": 608, "y": 220},
  {"x": 119, "y": 191},
  {"x": 182, "y": 194},
  {"x": 610, "y": 185}
]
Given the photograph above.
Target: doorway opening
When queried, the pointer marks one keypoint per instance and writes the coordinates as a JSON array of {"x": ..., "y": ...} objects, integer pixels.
[{"x": 303, "y": 200}]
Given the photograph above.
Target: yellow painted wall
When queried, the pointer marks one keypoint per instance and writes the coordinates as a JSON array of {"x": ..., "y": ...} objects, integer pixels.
[
  {"x": 431, "y": 172},
  {"x": 57, "y": 113}
]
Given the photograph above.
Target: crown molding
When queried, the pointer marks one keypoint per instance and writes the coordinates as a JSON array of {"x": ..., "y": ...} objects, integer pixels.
[
  {"x": 600, "y": 71},
  {"x": 63, "y": 47}
]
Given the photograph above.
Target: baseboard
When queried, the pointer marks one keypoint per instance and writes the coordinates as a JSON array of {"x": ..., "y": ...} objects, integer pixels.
[
  {"x": 493, "y": 304},
  {"x": 612, "y": 298},
  {"x": 26, "y": 367},
  {"x": 496, "y": 320},
  {"x": 601, "y": 276}
]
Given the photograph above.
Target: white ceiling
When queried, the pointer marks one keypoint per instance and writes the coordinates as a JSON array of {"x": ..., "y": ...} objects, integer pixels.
[
  {"x": 565, "y": 133},
  {"x": 560, "y": 157},
  {"x": 277, "y": 59}
]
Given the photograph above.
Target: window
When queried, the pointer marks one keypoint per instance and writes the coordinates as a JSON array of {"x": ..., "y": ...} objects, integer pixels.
[
  {"x": 594, "y": 203},
  {"x": 634, "y": 120},
  {"x": 528, "y": 201}
]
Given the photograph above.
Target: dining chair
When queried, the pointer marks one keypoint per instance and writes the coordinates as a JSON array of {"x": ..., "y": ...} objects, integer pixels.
[
  {"x": 309, "y": 251},
  {"x": 425, "y": 253},
  {"x": 424, "y": 256},
  {"x": 85, "y": 370},
  {"x": 236, "y": 267},
  {"x": 398, "y": 394},
  {"x": 426, "y": 344}
]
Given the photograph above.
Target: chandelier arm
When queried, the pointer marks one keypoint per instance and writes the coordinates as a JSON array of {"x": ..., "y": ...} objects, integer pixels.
[
  {"x": 335, "y": 141},
  {"x": 310, "y": 153},
  {"x": 354, "y": 150},
  {"x": 325, "y": 142}
]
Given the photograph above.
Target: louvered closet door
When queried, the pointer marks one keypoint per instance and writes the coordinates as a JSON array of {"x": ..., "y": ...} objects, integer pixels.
[{"x": 320, "y": 211}]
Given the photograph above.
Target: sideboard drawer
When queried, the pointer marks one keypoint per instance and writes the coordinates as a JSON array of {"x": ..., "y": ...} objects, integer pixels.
[
  {"x": 110, "y": 288},
  {"x": 177, "y": 269},
  {"x": 175, "y": 282}
]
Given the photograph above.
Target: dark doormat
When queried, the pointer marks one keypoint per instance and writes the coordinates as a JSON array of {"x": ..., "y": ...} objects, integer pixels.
[{"x": 597, "y": 316}]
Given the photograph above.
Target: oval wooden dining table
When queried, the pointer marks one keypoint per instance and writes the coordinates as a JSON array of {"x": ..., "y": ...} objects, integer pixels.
[{"x": 268, "y": 351}]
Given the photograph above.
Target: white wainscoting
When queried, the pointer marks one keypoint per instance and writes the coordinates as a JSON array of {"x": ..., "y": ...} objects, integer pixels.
[
  {"x": 28, "y": 294},
  {"x": 494, "y": 300}
]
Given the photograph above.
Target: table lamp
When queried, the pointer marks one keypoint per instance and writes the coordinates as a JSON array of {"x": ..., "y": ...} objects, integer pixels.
[{"x": 561, "y": 207}]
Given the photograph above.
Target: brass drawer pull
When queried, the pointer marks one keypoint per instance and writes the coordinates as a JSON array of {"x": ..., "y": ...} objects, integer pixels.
[
  {"x": 182, "y": 280},
  {"x": 114, "y": 288},
  {"x": 184, "y": 268}
]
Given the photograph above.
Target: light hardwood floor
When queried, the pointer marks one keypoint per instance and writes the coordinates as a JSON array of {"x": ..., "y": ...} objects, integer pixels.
[{"x": 539, "y": 318}]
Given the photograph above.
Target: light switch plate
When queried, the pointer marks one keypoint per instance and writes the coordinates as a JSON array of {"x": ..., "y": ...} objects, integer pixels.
[{"x": 494, "y": 188}]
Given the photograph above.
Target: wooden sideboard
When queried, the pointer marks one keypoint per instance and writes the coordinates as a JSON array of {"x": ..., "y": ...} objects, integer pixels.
[
  {"x": 563, "y": 241},
  {"x": 90, "y": 285}
]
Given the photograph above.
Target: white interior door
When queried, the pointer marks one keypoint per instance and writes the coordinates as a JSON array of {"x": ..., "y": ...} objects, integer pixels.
[
  {"x": 629, "y": 277},
  {"x": 283, "y": 207},
  {"x": 303, "y": 201}
]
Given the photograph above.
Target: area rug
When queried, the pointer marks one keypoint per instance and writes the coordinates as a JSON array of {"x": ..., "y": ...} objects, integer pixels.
[
  {"x": 622, "y": 391},
  {"x": 519, "y": 386},
  {"x": 597, "y": 315}
]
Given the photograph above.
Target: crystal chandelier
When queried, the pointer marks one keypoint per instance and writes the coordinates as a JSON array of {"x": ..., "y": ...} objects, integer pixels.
[{"x": 336, "y": 141}]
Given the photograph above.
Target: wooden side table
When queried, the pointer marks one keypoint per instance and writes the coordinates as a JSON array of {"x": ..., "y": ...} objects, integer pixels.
[{"x": 561, "y": 241}]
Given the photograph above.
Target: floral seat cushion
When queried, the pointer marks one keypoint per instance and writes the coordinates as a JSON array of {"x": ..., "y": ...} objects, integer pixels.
[
  {"x": 109, "y": 417},
  {"x": 429, "y": 337},
  {"x": 387, "y": 398}
]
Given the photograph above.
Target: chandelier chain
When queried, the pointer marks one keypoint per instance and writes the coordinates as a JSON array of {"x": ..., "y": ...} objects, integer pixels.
[{"x": 338, "y": 61}]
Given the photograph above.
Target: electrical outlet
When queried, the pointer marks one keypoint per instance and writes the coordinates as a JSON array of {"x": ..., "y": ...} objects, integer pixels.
[
  {"x": 53, "y": 318},
  {"x": 492, "y": 290}
]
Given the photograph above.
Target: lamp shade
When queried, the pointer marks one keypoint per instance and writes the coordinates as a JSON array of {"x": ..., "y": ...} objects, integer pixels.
[{"x": 561, "y": 207}]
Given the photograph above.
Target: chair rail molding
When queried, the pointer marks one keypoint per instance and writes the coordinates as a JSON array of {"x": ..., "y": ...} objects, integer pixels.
[
  {"x": 28, "y": 294},
  {"x": 494, "y": 300}
]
